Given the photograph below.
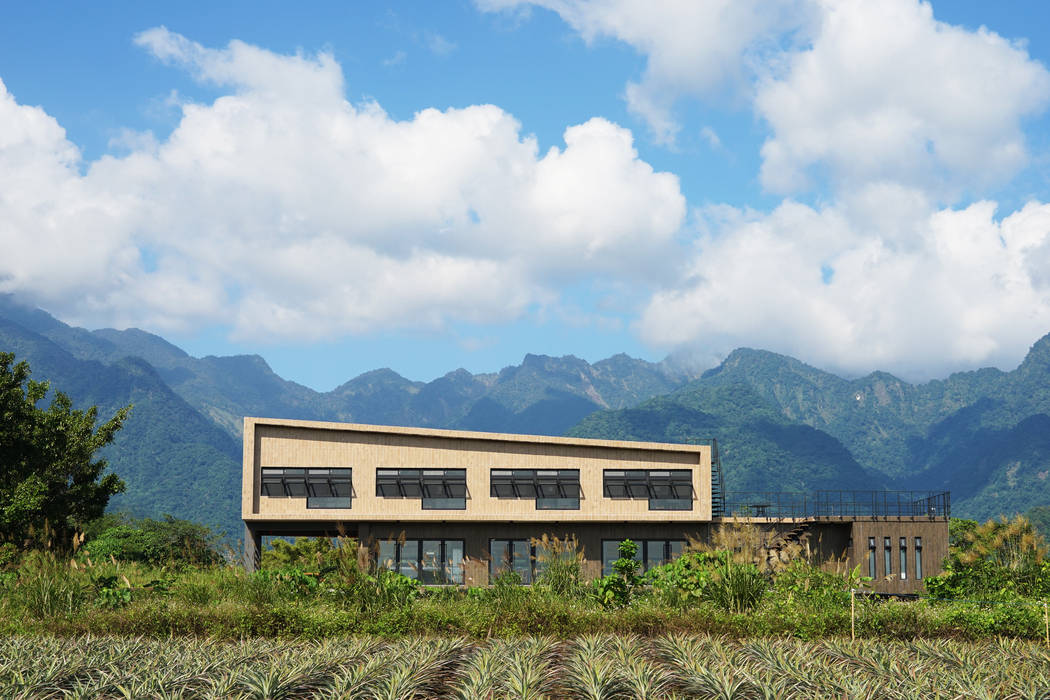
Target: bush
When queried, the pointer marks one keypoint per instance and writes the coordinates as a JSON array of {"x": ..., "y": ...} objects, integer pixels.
[
  {"x": 167, "y": 541},
  {"x": 736, "y": 587},
  {"x": 617, "y": 590},
  {"x": 683, "y": 581}
]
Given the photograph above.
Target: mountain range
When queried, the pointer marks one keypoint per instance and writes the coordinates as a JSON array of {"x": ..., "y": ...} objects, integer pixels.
[{"x": 781, "y": 424}]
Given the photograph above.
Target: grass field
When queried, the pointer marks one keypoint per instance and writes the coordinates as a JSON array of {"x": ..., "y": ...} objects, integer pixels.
[{"x": 591, "y": 666}]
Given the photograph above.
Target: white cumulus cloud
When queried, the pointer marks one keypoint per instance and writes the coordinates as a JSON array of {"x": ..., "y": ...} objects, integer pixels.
[
  {"x": 882, "y": 281},
  {"x": 691, "y": 48},
  {"x": 887, "y": 92},
  {"x": 284, "y": 210}
]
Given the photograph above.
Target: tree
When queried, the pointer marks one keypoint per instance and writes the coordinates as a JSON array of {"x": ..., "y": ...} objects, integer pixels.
[{"x": 50, "y": 481}]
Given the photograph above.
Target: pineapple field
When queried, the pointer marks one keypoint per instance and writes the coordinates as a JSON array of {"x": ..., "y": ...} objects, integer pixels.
[{"x": 594, "y": 666}]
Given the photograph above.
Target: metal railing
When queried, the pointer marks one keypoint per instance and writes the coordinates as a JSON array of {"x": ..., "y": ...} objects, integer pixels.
[
  {"x": 718, "y": 493},
  {"x": 838, "y": 504}
]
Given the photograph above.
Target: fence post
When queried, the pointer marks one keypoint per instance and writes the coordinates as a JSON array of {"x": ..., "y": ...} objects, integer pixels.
[
  {"x": 1046, "y": 622},
  {"x": 853, "y": 614}
]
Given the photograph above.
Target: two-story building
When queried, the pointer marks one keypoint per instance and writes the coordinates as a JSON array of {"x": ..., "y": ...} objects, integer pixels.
[{"x": 456, "y": 507}]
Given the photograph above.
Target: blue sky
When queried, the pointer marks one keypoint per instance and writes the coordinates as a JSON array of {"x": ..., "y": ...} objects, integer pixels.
[{"x": 428, "y": 186}]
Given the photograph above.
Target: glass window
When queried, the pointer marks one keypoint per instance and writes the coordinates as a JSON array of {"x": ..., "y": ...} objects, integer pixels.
[
  {"x": 610, "y": 553},
  {"x": 511, "y": 555},
  {"x": 918, "y": 558},
  {"x": 454, "y": 561},
  {"x": 904, "y": 558},
  {"x": 654, "y": 553},
  {"x": 439, "y": 489},
  {"x": 553, "y": 489},
  {"x": 668, "y": 489},
  {"x": 387, "y": 554},
  {"x": 499, "y": 557},
  {"x": 427, "y": 561},
  {"x": 328, "y": 488},
  {"x": 273, "y": 482},
  {"x": 432, "y": 564},
  {"x": 321, "y": 487},
  {"x": 887, "y": 556},
  {"x": 444, "y": 489},
  {"x": 615, "y": 484},
  {"x": 295, "y": 483},
  {"x": 871, "y": 558},
  {"x": 408, "y": 559},
  {"x": 650, "y": 553}
]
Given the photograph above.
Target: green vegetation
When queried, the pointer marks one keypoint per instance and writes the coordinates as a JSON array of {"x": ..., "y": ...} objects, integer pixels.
[
  {"x": 51, "y": 482},
  {"x": 169, "y": 541},
  {"x": 983, "y": 435},
  {"x": 999, "y": 560},
  {"x": 317, "y": 588}
]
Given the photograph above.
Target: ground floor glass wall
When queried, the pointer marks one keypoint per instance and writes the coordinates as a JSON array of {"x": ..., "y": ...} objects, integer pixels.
[
  {"x": 650, "y": 553},
  {"x": 426, "y": 561}
]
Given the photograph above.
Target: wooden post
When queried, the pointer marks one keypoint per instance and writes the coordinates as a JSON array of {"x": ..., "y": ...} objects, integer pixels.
[
  {"x": 853, "y": 614},
  {"x": 1046, "y": 622}
]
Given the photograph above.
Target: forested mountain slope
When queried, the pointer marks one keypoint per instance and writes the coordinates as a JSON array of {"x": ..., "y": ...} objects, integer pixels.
[{"x": 982, "y": 434}]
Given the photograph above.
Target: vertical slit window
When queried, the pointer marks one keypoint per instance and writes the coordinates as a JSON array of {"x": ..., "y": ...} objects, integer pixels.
[
  {"x": 904, "y": 558},
  {"x": 918, "y": 558},
  {"x": 887, "y": 556},
  {"x": 871, "y": 558}
]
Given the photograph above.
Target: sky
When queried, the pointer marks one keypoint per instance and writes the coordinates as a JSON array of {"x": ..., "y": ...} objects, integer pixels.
[{"x": 425, "y": 186}]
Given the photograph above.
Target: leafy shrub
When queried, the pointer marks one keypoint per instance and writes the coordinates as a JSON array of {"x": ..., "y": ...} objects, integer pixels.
[
  {"x": 810, "y": 584},
  {"x": 684, "y": 580},
  {"x": 9, "y": 556},
  {"x": 167, "y": 541},
  {"x": 618, "y": 589}
]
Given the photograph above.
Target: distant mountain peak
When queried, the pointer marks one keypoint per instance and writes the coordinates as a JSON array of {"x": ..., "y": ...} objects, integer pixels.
[{"x": 1038, "y": 357}]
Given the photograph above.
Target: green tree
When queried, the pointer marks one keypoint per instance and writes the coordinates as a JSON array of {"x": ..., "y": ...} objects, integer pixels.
[{"x": 50, "y": 481}]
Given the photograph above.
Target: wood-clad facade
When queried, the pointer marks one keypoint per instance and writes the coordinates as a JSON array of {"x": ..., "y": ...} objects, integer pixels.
[{"x": 464, "y": 501}]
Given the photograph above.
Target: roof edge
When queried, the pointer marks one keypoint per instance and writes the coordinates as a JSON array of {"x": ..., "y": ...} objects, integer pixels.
[{"x": 473, "y": 435}]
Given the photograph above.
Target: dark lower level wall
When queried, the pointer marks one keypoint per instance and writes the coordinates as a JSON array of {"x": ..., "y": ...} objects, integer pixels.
[{"x": 839, "y": 544}]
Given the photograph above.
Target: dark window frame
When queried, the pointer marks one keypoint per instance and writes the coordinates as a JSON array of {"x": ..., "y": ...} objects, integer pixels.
[
  {"x": 303, "y": 482},
  {"x": 666, "y": 489},
  {"x": 508, "y": 565},
  {"x": 449, "y": 577},
  {"x": 642, "y": 555},
  {"x": 437, "y": 489},
  {"x": 551, "y": 489}
]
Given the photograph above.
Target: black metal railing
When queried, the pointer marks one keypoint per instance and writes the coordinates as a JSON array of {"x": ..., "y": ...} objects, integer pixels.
[
  {"x": 838, "y": 504},
  {"x": 718, "y": 491}
]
